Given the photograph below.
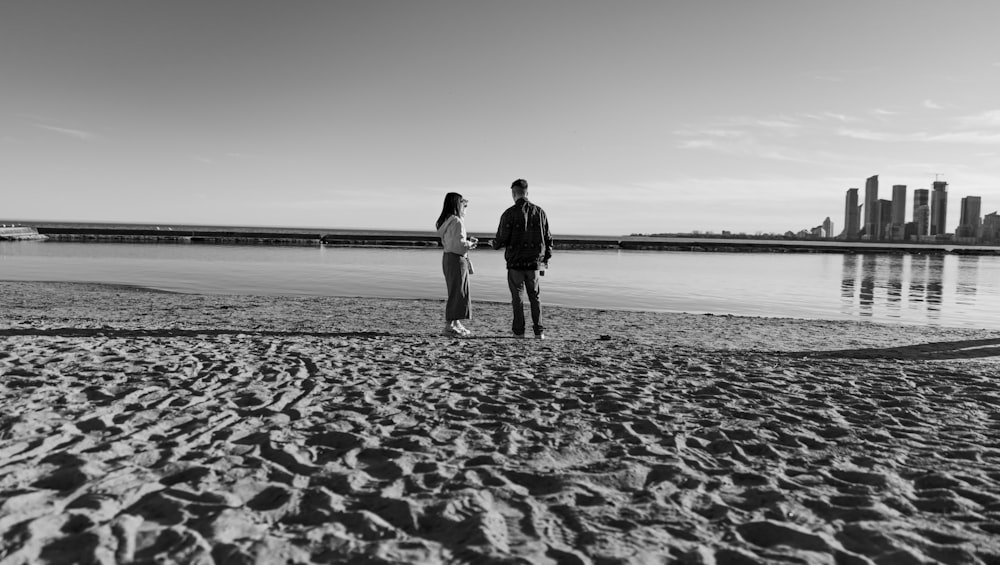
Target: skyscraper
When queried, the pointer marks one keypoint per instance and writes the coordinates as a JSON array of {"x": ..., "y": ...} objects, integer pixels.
[
  {"x": 852, "y": 215},
  {"x": 871, "y": 207},
  {"x": 939, "y": 208},
  {"x": 991, "y": 227},
  {"x": 922, "y": 211},
  {"x": 921, "y": 197},
  {"x": 899, "y": 204},
  {"x": 897, "y": 231},
  {"x": 828, "y": 227},
  {"x": 922, "y": 217},
  {"x": 970, "y": 217},
  {"x": 883, "y": 219}
]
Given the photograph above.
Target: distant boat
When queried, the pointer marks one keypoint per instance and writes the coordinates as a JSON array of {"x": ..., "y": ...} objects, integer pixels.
[{"x": 19, "y": 233}]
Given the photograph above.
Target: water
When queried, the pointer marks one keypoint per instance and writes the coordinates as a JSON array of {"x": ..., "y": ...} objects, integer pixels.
[{"x": 938, "y": 290}]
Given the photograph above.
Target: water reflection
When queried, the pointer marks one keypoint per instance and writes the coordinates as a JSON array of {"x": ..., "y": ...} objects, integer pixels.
[
  {"x": 968, "y": 280},
  {"x": 908, "y": 287},
  {"x": 869, "y": 267},
  {"x": 918, "y": 279},
  {"x": 847, "y": 280},
  {"x": 894, "y": 285},
  {"x": 934, "y": 285}
]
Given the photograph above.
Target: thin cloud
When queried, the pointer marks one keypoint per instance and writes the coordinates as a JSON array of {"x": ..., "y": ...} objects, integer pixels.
[
  {"x": 750, "y": 136},
  {"x": 882, "y": 112},
  {"x": 743, "y": 127},
  {"x": 77, "y": 133},
  {"x": 778, "y": 124},
  {"x": 747, "y": 147},
  {"x": 932, "y": 105},
  {"x": 726, "y": 133},
  {"x": 776, "y": 155},
  {"x": 697, "y": 144},
  {"x": 788, "y": 123},
  {"x": 868, "y": 135},
  {"x": 989, "y": 118},
  {"x": 827, "y": 116},
  {"x": 986, "y": 137},
  {"x": 971, "y": 136},
  {"x": 713, "y": 132}
]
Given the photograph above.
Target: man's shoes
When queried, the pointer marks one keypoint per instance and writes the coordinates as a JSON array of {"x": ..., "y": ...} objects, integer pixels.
[
  {"x": 540, "y": 336},
  {"x": 517, "y": 335}
]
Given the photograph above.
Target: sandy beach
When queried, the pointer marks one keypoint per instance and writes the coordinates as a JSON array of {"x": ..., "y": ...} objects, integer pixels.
[{"x": 148, "y": 427}]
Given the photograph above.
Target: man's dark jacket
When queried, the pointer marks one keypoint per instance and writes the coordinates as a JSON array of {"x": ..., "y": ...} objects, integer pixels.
[{"x": 524, "y": 231}]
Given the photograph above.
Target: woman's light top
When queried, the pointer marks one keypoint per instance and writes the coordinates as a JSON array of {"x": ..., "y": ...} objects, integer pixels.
[{"x": 453, "y": 236}]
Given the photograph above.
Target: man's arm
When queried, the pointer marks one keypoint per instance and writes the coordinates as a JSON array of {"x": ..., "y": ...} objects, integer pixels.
[
  {"x": 503, "y": 233},
  {"x": 547, "y": 237}
]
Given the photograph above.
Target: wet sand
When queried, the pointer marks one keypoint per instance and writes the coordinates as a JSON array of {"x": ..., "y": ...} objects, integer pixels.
[{"x": 141, "y": 427}]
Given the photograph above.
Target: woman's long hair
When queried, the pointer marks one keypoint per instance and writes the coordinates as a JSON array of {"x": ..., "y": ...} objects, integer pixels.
[{"x": 452, "y": 207}]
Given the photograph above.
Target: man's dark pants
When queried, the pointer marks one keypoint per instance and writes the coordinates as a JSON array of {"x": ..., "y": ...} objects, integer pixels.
[{"x": 527, "y": 281}]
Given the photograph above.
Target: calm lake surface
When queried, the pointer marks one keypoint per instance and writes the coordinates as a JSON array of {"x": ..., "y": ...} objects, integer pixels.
[{"x": 915, "y": 289}]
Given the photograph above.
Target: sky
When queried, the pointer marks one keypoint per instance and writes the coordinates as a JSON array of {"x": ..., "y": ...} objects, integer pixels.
[{"x": 625, "y": 116}]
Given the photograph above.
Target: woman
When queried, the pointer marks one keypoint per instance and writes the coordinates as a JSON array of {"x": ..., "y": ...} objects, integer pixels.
[{"x": 451, "y": 228}]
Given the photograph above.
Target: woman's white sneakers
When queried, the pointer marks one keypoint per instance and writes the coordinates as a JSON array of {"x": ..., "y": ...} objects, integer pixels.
[{"x": 456, "y": 329}]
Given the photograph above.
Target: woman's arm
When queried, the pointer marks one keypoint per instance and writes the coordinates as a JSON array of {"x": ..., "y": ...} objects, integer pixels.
[{"x": 455, "y": 239}]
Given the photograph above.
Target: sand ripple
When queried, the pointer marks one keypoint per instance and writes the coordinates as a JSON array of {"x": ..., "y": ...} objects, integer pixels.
[{"x": 186, "y": 445}]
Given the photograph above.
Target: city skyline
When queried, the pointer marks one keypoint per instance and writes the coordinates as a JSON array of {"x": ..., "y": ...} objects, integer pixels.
[
  {"x": 880, "y": 219},
  {"x": 631, "y": 117}
]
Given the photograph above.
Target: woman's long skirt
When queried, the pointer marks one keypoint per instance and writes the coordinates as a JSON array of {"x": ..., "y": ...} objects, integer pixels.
[{"x": 456, "y": 276}]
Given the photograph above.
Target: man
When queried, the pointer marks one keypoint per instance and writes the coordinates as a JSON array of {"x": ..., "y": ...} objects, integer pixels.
[{"x": 524, "y": 231}]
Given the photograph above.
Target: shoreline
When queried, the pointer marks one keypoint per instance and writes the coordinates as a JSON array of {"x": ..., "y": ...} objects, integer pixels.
[
  {"x": 503, "y": 305},
  {"x": 137, "y": 425}
]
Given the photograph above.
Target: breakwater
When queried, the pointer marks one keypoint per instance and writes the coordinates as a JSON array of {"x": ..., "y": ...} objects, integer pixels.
[
  {"x": 282, "y": 237},
  {"x": 357, "y": 238},
  {"x": 153, "y": 235}
]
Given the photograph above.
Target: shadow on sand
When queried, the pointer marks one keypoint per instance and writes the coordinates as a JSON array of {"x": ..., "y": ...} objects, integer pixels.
[
  {"x": 168, "y": 332},
  {"x": 173, "y": 332},
  {"x": 936, "y": 351}
]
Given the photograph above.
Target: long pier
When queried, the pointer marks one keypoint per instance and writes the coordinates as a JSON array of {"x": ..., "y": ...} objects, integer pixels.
[{"x": 358, "y": 238}]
